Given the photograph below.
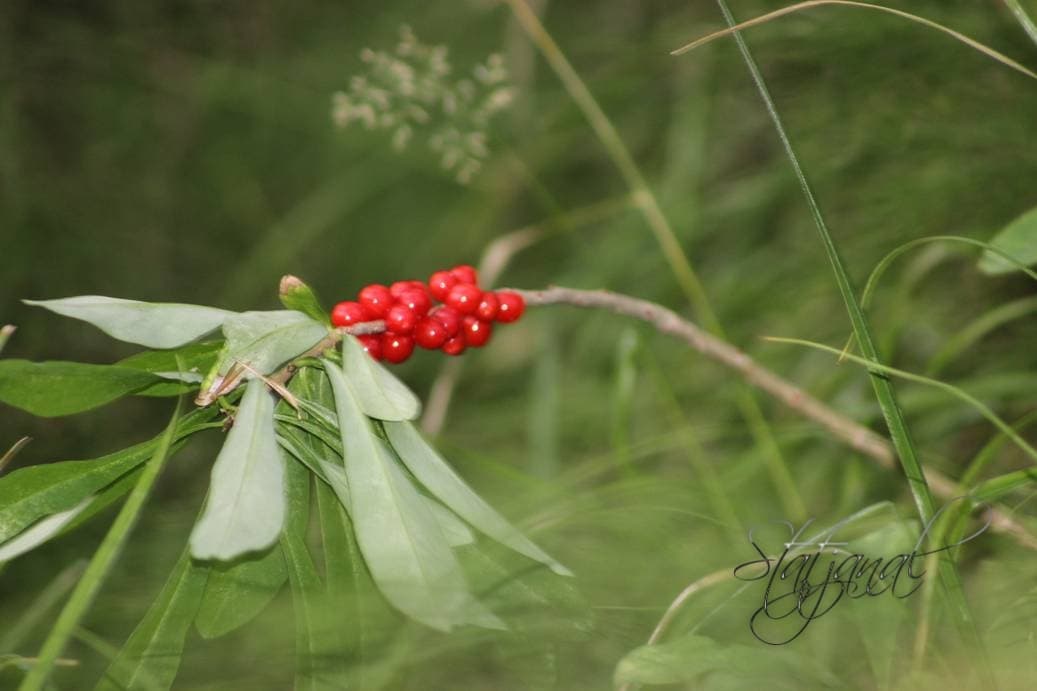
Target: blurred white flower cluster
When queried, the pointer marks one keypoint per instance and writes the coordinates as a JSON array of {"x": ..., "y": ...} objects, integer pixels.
[{"x": 410, "y": 92}]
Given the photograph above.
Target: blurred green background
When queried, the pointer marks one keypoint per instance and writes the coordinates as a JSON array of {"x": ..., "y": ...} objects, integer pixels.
[{"x": 185, "y": 152}]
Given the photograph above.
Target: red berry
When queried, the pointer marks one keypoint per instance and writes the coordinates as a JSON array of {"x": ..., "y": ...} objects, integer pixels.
[
  {"x": 465, "y": 274},
  {"x": 416, "y": 300},
  {"x": 348, "y": 313},
  {"x": 372, "y": 345},
  {"x": 430, "y": 334},
  {"x": 377, "y": 299},
  {"x": 396, "y": 347},
  {"x": 454, "y": 346},
  {"x": 440, "y": 283},
  {"x": 449, "y": 318},
  {"x": 401, "y": 319},
  {"x": 487, "y": 309},
  {"x": 464, "y": 297},
  {"x": 476, "y": 332},
  {"x": 398, "y": 287},
  {"x": 512, "y": 305}
]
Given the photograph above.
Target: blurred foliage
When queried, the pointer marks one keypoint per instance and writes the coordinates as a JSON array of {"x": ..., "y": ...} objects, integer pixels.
[{"x": 185, "y": 152}]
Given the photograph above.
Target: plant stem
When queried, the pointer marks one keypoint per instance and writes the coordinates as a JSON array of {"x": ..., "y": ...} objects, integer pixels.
[
  {"x": 664, "y": 234},
  {"x": 100, "y": 565},
  {"x": 1023, "y": 18},
  {"x": 884, "y": 391}
]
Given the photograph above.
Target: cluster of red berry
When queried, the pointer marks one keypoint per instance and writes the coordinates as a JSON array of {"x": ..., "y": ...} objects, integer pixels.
[{"x": 463, "y": 320}]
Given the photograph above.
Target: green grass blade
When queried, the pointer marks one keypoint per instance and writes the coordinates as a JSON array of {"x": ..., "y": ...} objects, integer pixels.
[
  {"x": 957, "y": 36},
  {"x": 875, "y": 367},
  {"x": 100, "y": 565},
  {"x": 884, "y": 392},
  {"x": 1023, "y": 18}
]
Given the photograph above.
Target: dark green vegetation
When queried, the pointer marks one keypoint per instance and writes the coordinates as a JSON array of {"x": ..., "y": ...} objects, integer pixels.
[{"x": 187, "y": 154}]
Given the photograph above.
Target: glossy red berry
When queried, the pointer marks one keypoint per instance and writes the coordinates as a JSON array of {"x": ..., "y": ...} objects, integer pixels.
[
  {"x": 401, "y": 319},
  {"x": 464, "y": 297},
  {"x": 348, "y": 313},
  {"x": 440, "y": 283},
  {"x": 465, "y": 274},
  {"x": 416, "y": 300},
  {"x": 372, "y": 345},
  {"x": 430, "y": 334},
  {"x": 377, "y": 299},
  {"x": 449, "y": 318},
  {"x": 454, "y": 346},
  {"x": 512, "y": 305},
  {"x": 396, "y": 347},
  {"x": 398, "y": 287},
  {"x": 487, "y": 309},
  {"x": 476, "y": 332}
]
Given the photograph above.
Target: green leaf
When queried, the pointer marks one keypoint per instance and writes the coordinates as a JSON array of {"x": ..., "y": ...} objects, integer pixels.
[
  {"x": 296, "y": 295},
  {"x": 266, "y": 340},
  {"x": 155, "y": 325},
  {"x": 237, "y": 592},
  {"x": 1018, "y": 240},
  {"x": 41, "y": 531},
  {"x": 378, "y": 392},
  {"x": 51, "y": 389},
  {"x": 29, "y": 494},
  {"x": 196, "y": 359},
  {"x": 446, "y": 485},
  {"x": 405, "y": 550},
  {"x": 997, "y": 487},
  {"x": 350, "y": 591},
  {"x": 151, "y": 657},
  {"x": 313, "y": 621},
  {"x": 245, "y": 509},
  {"x": 692, "y": 657},
  {"x": 456, "y": 532}
]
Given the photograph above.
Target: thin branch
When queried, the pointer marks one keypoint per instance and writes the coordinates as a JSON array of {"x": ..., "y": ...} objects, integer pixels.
[{"x": 855, "y": 435}]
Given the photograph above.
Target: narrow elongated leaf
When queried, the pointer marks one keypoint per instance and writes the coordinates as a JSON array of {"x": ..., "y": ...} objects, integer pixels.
[
  {"x": 1018, "y": 240},
  {"x": 404, "y": 548},
  {"x": 246, "y": 506},
  {"x": 312, "y": 621},
  {"x": 29, "y": 494},
  {"x": 347, "y": 582},
  {"x": 151, "y": 657},
  {"x": 151, "y": 324},
  {"x": 181, "y": 369},
  {"x": 40, "y": 532},
  {"x": 50, "y": 389},
  {"x": 456, "y": 531},
  {"x": 378, "y": 392},
  {"x": 446, "y": 485},
  {"x": 237, "y": 592},
  {"x": 266, "y": 340}
]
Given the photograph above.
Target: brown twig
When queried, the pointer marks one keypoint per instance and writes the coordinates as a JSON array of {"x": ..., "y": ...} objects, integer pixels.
[{"x": 852, "y": 433}]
